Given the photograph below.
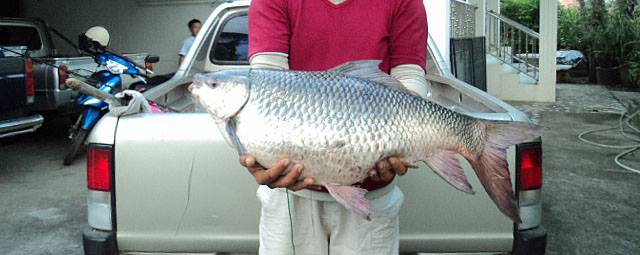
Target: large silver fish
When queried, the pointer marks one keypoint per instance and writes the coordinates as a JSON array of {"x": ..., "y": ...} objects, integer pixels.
[{"x": 339, "y": 123}]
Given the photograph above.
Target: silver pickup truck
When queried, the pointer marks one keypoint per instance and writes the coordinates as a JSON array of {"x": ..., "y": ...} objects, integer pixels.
[
  {"x": 34, "y": 37},
  {"x": 170, "y": 183}
]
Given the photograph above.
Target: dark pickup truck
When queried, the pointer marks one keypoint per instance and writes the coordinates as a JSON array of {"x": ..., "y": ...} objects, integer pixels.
[{"x": 17, "y": 94}]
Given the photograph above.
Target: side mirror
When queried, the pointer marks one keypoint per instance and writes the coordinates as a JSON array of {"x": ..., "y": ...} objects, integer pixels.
[{"x": 152, "y": 59}]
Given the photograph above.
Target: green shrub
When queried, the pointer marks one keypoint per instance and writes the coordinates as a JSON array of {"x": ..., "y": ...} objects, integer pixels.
[
  {"x": 634, "y": 48},
  {"x": 525, "y": 12},
  {"x": 607, "y": 27},
  {"x": 618, "y": 32},
  {"x": 594, "y": 20},
  {"x": 570, "y": 32}
]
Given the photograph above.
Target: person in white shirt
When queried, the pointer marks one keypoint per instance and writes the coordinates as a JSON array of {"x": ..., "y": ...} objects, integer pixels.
[{"x": 194, "y": 27}]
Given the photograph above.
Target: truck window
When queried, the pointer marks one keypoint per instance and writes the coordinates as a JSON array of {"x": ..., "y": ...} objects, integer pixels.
[
  {"x": 232, "y": 45},
  {"x": 12, "y": 36}
]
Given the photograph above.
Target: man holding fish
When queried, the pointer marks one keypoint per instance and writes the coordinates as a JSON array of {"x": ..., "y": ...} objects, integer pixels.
[{"x": 318, "y": 35}]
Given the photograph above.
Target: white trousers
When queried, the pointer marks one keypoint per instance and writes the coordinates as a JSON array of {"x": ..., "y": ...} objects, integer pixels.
[{"x": 326, "y": 227}]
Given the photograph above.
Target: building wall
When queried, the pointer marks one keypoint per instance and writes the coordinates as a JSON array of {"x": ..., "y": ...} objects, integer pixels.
[
  {"x": 134, "y": 27},
  {"x": 573, "y": 3},
  {"x": 12, "y": 8}
]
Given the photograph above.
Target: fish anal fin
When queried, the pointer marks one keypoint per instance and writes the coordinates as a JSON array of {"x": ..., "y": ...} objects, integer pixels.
[
  {"x": 351, "y": 198},
  {"x": 446, "y": 165},
  {"x": 368, "y": 70}
]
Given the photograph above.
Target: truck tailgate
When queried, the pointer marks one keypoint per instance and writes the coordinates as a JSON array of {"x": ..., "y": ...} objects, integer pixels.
[
  {"x": 196, "y": 197},
  {"x": 182, "y": 190},
  {"x": 13, "y": 97}
]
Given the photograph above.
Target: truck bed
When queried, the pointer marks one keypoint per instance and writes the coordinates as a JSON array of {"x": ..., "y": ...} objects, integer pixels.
[
  {"x": 195, "y": 197},
  {"x": 187, "y": 193}
]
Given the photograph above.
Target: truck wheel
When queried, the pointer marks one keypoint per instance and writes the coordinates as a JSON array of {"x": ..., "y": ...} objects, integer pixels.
[{"x": 76, "y": 145}]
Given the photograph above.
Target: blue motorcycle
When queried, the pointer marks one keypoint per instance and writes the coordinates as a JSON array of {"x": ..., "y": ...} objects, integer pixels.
[{"x": 109, "y": 81}]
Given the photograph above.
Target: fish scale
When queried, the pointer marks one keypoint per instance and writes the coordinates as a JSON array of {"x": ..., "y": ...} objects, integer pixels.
[{"x": 339, "y": 123}]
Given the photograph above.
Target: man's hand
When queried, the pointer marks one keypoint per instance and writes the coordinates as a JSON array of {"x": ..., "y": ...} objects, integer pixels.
[
  {"x": 273, "y": 177},
  {"x": 384, "y": 170}
]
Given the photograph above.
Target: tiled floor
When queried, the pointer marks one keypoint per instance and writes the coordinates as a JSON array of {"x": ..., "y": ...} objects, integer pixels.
[{"x": 578, "y": 98}]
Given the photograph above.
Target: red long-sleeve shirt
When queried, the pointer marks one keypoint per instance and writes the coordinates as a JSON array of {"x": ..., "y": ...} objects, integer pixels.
[{"x": 319, "y": 35}]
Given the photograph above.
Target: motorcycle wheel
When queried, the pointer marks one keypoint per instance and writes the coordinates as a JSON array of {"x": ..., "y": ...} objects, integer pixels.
[{"x": 76, "y": 144}]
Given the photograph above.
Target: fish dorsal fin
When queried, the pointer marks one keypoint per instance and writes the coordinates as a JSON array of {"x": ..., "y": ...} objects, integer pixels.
[{"x": 368, "y": 70}]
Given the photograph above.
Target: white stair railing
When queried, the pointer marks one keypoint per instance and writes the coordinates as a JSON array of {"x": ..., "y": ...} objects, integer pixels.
[{"x": 513, "y": 44}]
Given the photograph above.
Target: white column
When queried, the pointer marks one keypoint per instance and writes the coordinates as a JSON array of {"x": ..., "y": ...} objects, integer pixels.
[
  {"x": 481, "y": 12},
  {"x": 439, "y": 17},
  {"x": 546, "y": 90}
]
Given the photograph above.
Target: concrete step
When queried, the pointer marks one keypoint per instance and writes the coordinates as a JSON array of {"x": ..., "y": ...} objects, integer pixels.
[
  {"x": 511, "y": 68},
  {"x": 512, "y": 89},
  {"x": 527, "y": 80},
  {"x": 507, "y": 68},
  {"x": 493, "y": 60},
  {"x": 509, "y": 85},
  {"x": 494, "y": 73}
]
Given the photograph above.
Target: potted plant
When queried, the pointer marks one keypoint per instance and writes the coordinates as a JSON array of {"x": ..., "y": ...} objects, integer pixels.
[
  {"x": 631, "y": 74},
  {"x": 613, "y": 43},
  {"x": 594, "y": 17},
  {"x": 634, "y": 70},
  {"x": 620, "y": 36}
]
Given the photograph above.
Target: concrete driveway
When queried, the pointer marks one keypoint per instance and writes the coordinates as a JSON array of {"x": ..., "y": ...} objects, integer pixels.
[
  {"x": 591, "y": 206},
  {"x": 42, "y": 204}
]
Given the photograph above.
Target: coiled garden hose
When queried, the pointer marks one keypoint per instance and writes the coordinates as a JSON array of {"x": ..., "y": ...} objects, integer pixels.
[{"x": 627, "y": 130}]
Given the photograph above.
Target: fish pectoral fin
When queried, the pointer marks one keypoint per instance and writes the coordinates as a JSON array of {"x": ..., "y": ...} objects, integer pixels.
[
  {"x": 351, "y": 198},
  {"x": 446, "y": 165},
  {"x": 230, "y": 128}
]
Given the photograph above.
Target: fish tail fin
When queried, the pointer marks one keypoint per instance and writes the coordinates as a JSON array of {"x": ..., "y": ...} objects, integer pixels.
[{"x": 490, "y": 164}]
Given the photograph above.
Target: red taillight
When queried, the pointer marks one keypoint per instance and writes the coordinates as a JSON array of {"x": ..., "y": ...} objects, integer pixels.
[
  {"x": 530, "y": 166},
  {"x": 28, "y": 77},
  {"x": 62, "y": 75},
  {"x": 148, "y": 66},
  {"x": 99, "y": 168}
]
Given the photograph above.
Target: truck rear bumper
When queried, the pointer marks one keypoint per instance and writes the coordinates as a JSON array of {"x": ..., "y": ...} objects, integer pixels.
[
  {"x": 20, "y": 125},
  {"x": 530, "y": 242},
  {"x": 96, "y": 242}
]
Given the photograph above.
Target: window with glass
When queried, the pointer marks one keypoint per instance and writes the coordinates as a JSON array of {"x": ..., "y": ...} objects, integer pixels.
[
  {"x": 16, "y": 36},
  {"x": 232, "y": 44}
]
